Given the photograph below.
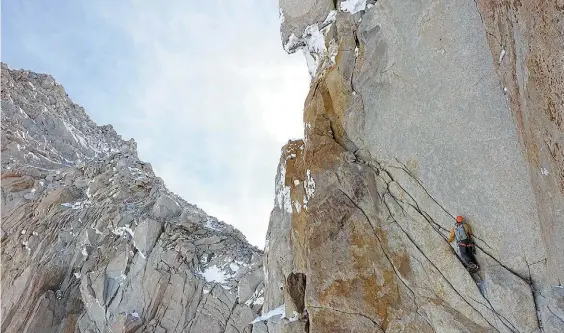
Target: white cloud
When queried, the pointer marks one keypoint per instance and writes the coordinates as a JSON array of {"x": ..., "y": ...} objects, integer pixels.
[{"x": 215, "y": 98}]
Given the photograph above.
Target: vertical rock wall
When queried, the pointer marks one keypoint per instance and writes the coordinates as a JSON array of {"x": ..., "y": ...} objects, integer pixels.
[{"x": 415, "y": 116}]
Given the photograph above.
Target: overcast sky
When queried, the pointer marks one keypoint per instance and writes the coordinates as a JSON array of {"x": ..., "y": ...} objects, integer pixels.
[{"x": 204, "y": 87}]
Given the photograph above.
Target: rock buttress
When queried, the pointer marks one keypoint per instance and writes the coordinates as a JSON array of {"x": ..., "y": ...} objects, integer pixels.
[{"x": 406, "y": 126}]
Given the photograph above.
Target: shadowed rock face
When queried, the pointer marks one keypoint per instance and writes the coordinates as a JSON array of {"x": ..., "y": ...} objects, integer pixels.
[
  {"x": 408, "y": 124},
  {"x": 92, "y": 241}
]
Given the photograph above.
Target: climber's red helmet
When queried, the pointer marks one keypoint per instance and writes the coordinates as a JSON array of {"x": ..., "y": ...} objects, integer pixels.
[{"x": 459, "y": 219}]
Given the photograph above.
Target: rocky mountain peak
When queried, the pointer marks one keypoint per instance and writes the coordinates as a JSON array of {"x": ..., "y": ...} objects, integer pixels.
[
  {"x": 92, "y": 240},
  {"x": 37, "y": 112}
]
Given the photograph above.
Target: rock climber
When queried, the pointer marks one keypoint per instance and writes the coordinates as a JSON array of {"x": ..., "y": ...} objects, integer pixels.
[{"x": 463, "y": 235}]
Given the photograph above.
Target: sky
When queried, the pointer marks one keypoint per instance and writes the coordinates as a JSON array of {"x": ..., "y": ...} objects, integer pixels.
[{"x": 204, "y": 87}]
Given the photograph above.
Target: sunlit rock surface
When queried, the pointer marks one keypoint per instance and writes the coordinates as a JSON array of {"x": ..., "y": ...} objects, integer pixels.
[{"x": 418, "y": 112}]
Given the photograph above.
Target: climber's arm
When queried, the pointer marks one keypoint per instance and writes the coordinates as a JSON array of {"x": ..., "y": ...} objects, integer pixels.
[{"x": 451, "y": 236}]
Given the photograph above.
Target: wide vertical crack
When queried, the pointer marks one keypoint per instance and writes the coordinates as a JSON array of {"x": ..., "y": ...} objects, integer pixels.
[
  {"x": 357, "y": 47},
  {"x": 296, "y": 284}
]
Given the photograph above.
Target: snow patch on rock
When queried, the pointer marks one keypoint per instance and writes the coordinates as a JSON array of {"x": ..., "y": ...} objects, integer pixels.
[
  {"x": 214, "y": 274},
  {"x": 123, "y": 231},
  {"x": 276, "y": 313},
  {"x": 353, "y": 6},
  {"x": 313, "y": 45},
  {"x": 283, "y": 200},
  {"x": 309, "y": 187},
  {"x": 501, "y": 55}
]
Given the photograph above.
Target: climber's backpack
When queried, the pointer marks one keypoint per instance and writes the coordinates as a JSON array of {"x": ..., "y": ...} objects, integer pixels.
[{"x": 460, "y": 232}]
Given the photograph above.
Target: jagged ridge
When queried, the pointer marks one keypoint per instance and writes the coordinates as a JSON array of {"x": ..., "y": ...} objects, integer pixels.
[{"x": 92, "y": 241}]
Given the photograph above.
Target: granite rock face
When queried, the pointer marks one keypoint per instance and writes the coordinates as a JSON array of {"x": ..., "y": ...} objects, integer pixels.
[
  {"x": 92, "y": 241},
  {"x": 418, "y": 112}
]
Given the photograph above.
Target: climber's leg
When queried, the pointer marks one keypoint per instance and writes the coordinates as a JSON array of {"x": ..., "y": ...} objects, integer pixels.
[{"x": 465, "y": 254}]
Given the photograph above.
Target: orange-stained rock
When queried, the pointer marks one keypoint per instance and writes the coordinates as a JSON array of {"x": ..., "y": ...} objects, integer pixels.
[{"x": 407, "y": 125}]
